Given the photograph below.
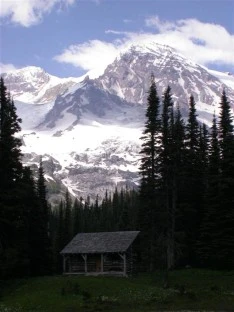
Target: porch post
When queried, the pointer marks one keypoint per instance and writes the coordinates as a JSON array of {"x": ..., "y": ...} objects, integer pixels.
[
  {"x": 102, "y": 262},
  {"x": 124, "y": 260},
  {"x": 85, "y": 260},
  {"x": 86, "y": 269},
  {"x": 123, "y": 256}
]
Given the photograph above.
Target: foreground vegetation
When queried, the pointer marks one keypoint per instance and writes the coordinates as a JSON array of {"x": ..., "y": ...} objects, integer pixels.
[{"x": 189, "y": 290}]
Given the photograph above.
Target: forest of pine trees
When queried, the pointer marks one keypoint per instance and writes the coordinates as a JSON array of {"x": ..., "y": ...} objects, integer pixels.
[{"x": 184, "y": 206}]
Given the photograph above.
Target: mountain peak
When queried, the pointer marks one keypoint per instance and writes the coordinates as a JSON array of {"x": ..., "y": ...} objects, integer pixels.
[
  {"x": 33, "y": 84},
  {"x": 129, "y": 76},
  {"x": 26, "y": 71},
  {"x": 152, "y": 47}
]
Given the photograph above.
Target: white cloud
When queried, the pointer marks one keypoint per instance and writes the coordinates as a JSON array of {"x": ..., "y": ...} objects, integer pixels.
[
  {"x": 4, "y": 68},
  {"x": 95, "y": 55},
  {"x": 89, "y": 55},
  {"x": 204, "y": 43},
  {"x": 28, "y": 12},
  {"x": 155, "y": 22}
]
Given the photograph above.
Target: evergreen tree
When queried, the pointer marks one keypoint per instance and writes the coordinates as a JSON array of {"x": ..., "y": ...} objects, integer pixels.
[
  {"x": 202, "y": 174},
  {"x": 115, "y": 209},
  {"x": 191, "y": 186},
  {"x": 208, "y": 233},
  {"x": 41, "y": 190},
  {"x": 105, "y": 224},
  {"x": 42, "y": 235},
  {"x": 225, "y": 239},
  {"x": 10, "y": 153},
  {"x": 124, "y": 221},
  {"x": 150, "y": 138},
  {"x": 132, "y": 201},
  {"x": 149, "y": 176},
  {"x": 167, "y": 179},
  {"x": 214, "y": 152},
  {"x": 12, "y": 217},
  {"x": 178, "y": 175},
  {"x": 192, "y": 129},
  {"x": 67, "y": 218},
  {"x": 59, "y": 238},
  {"x": 32, "y": 205},
  {"x": 77, "y": 215},
  {"x": 204, "y": 152},
  {"x": 60, "y": 231}
]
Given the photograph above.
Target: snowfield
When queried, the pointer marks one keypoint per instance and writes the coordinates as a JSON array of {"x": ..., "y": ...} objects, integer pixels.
[{"x": 82, "y": 138}]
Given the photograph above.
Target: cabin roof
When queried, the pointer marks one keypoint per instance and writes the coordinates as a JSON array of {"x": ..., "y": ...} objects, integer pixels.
[{"x": 101, "y": 242}]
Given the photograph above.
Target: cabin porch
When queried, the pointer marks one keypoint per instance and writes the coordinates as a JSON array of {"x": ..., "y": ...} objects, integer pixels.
[{"x": 95, "y": 264}]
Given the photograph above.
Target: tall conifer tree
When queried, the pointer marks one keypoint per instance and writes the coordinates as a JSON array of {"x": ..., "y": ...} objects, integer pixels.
[
  {"x": 149, "y": 174},
  {"x": 43, "y": 231},
  {"x": 67, "y": 218},
  {"x": 208, "y": 232},
  {"x": 11, "y": 215},
  {"x": 225, "y": 240},
  {"x": 178, "y": 167},
  {"x": 167, "y": 178},
  {"x": 191, "y": 194}
]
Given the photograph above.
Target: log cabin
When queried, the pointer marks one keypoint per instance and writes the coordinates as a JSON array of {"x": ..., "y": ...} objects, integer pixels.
[{"x": 102, "y": 253}]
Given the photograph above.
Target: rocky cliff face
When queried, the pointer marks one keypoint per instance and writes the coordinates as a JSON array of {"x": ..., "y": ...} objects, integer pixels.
[{"x": 88, "y": 130}]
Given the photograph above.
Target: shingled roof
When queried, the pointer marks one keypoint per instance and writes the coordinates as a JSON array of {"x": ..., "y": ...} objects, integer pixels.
[{"x": 102, "y": 242}]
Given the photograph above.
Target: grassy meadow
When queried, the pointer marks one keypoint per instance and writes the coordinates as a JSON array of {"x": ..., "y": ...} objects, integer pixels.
[{"x": 191, "y": 289}]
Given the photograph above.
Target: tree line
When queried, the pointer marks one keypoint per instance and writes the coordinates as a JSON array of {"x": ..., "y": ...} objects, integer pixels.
[
  {"x": 187, "y": 202},
  {"x": 24, "y": 211},
  {"x": 184, "y": 206}
]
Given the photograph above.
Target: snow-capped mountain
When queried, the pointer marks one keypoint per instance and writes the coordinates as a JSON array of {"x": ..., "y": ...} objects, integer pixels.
[
  {"x": 34, "y": 86},
  {"x": 87, "y": 98},
  {"x": 88, "y": 129},
  {"x": 129, "y": 77},
  {"x": 35, "y": 91}
]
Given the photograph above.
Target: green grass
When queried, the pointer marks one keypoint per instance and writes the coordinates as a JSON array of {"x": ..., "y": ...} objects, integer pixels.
[{"x": 189, "y": 290}]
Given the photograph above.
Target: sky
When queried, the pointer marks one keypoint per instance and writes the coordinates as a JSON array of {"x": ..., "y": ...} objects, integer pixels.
[{"x": 71, "y": 37}]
